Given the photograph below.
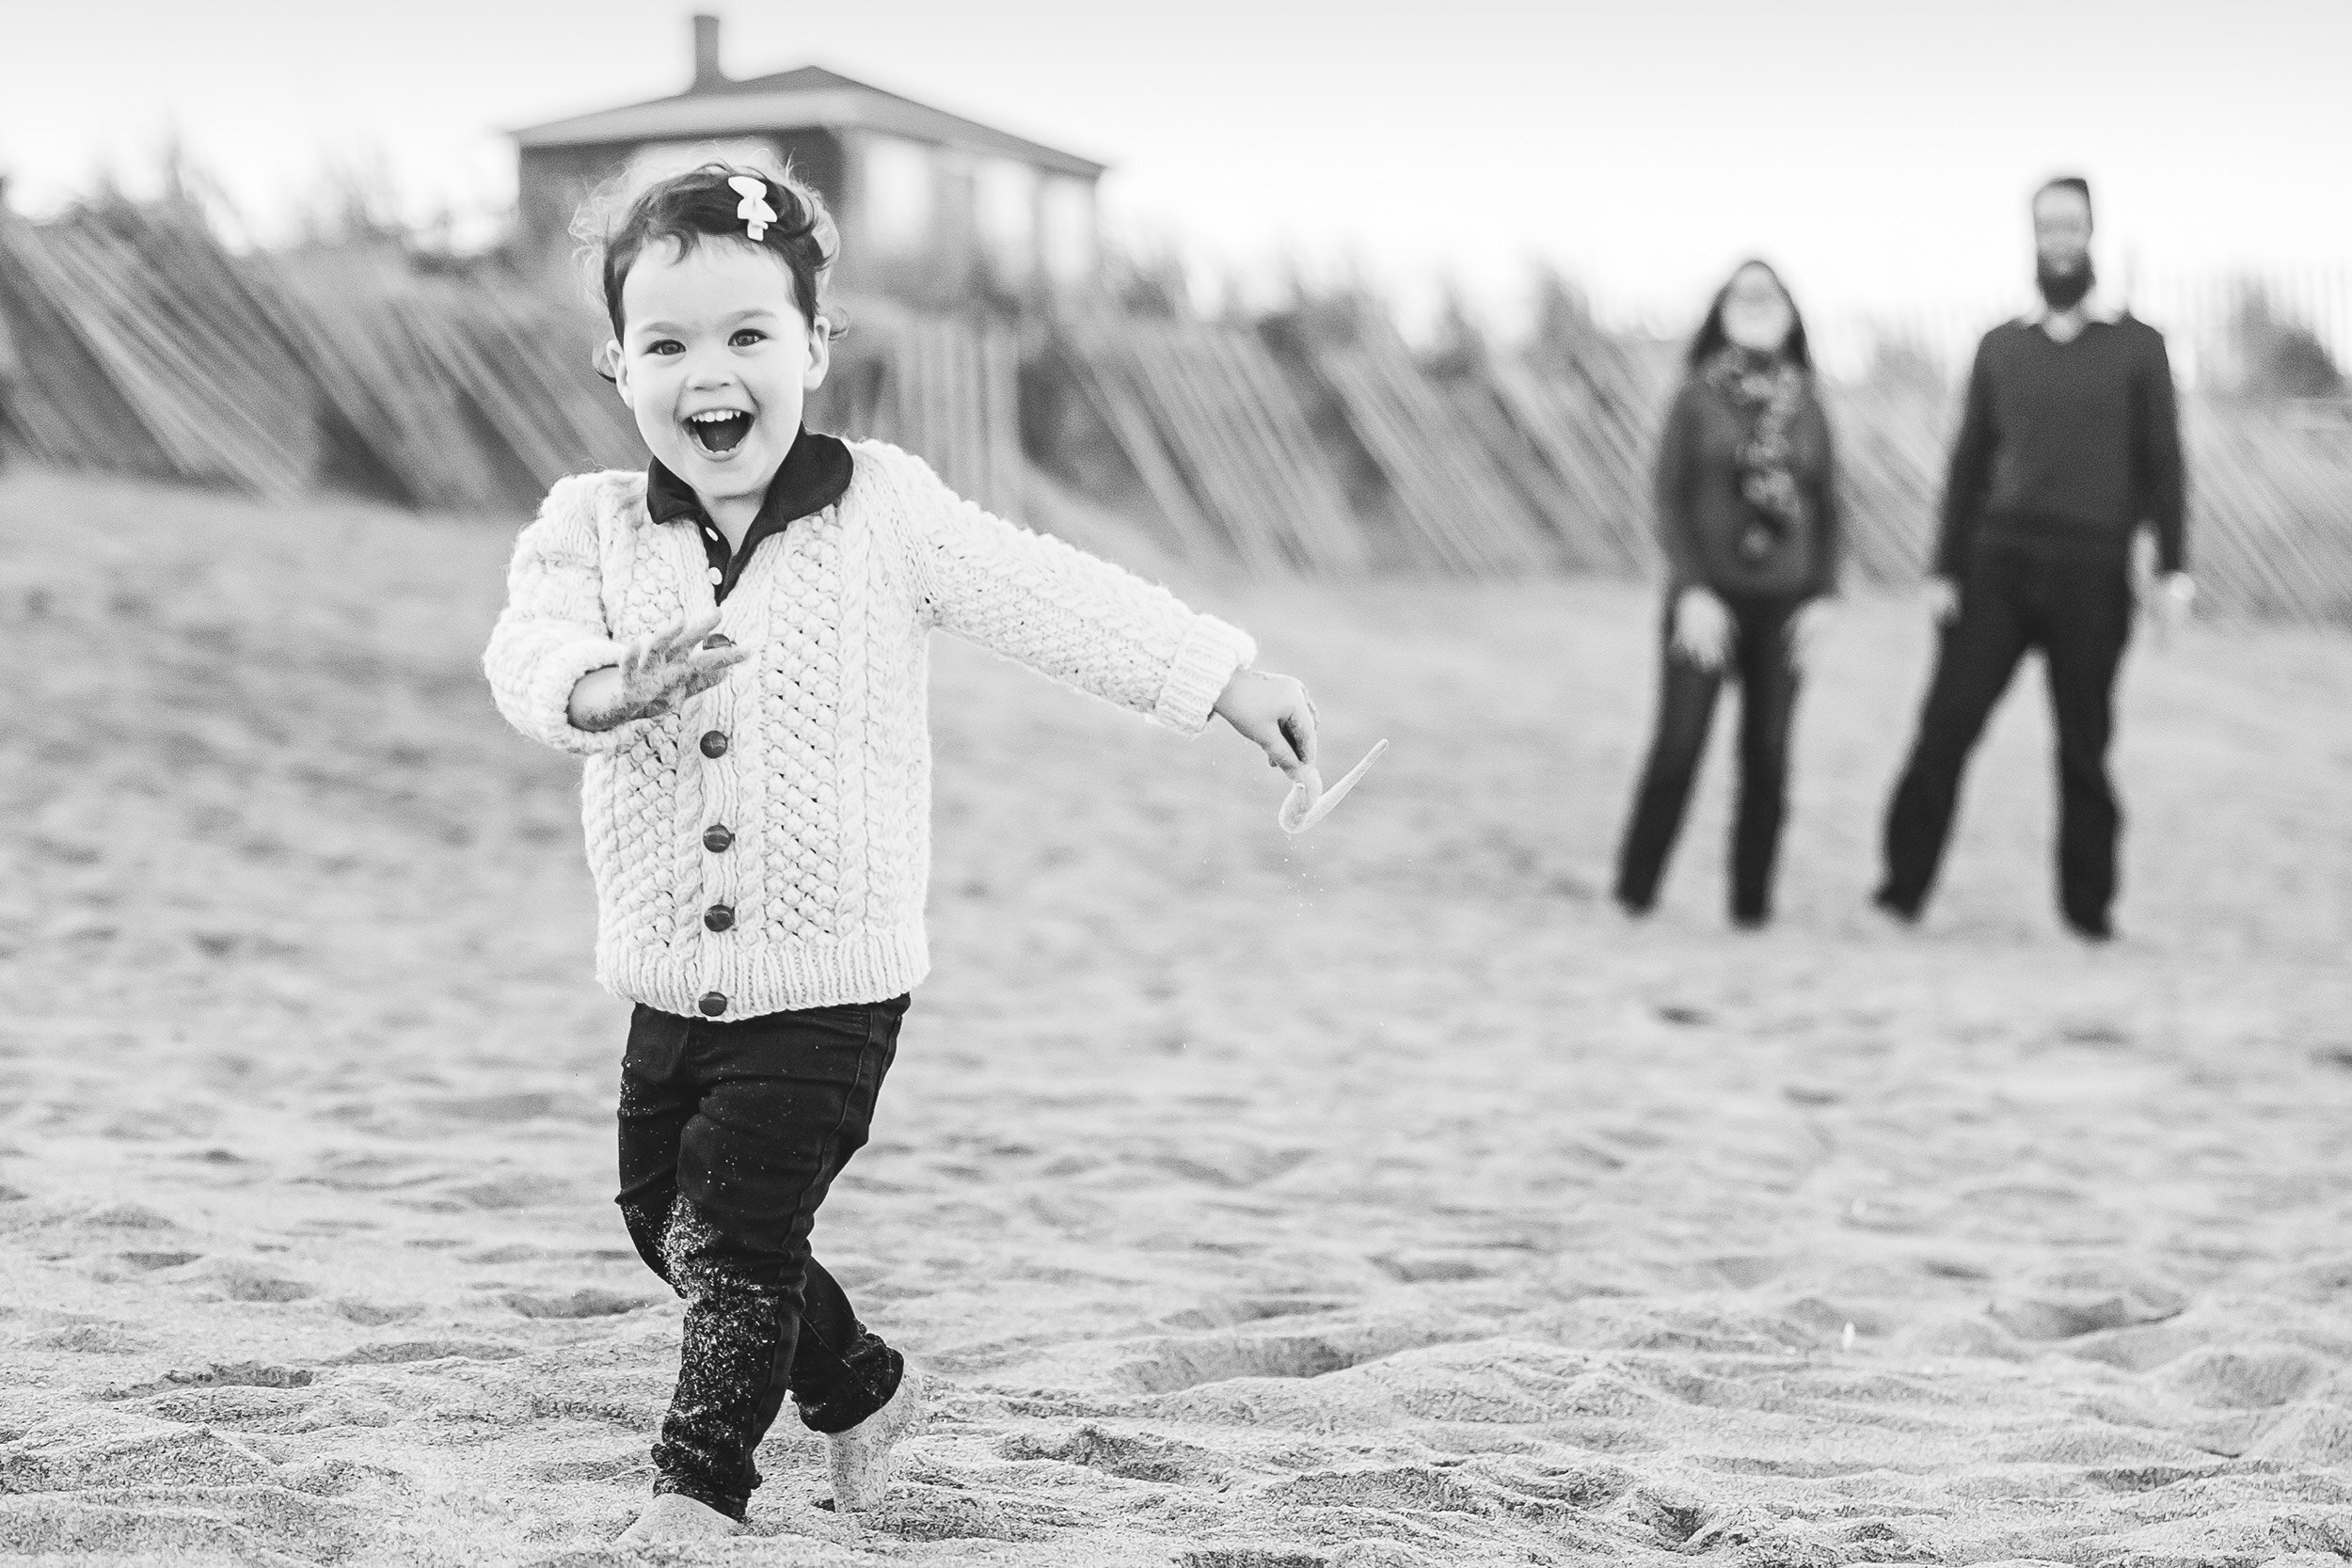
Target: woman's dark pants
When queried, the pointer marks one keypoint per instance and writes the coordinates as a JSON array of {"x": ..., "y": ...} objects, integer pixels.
[
  {"x": 1759, "y": 662},
  {"x": 731, "y": 1134}
]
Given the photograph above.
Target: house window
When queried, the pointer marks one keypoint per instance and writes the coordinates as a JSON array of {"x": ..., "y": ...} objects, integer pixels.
[
  {"x": 897, "y": 194},
  {"x": 1004, "y": 212},
  {"x": 1066, "y": 208}
]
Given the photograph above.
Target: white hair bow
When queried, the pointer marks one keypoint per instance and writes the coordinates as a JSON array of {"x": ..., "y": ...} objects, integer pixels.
[{"x": 754, "y": 208}]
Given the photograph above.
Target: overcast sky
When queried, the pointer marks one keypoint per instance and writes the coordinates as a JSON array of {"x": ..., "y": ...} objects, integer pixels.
[{"x": 1880, "y": 152}]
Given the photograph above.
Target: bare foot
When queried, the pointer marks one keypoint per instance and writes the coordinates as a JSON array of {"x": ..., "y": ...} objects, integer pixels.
[
  {"x": 671, "y": 1518},
  {"x": 863, "y": 1458}
]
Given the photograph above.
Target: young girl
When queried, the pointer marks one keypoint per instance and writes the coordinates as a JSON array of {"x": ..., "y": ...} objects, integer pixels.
[{"x": 734, "y": 640}]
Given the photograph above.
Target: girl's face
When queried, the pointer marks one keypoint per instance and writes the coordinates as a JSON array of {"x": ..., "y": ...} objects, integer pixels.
[
  {"x": 716, "y": 361},
  {"x": 1756, "y": 314}
]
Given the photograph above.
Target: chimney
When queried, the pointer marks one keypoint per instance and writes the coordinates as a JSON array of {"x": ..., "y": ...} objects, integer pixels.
[{"x": 707, "y": 72}]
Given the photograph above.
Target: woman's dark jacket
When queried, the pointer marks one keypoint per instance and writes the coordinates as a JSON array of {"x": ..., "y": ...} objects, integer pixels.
[{"x": 1702, "y": 514}]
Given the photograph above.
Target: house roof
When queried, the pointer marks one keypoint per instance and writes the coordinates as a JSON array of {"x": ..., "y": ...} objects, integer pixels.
[{"x": 810, "y": 96}]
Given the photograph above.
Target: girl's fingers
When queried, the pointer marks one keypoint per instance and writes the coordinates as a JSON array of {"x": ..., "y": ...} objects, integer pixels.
[
  {"x": 705, "y": 668},
  {"x": 684, "y": 632},
  {"x": 1298, "y": 728}
]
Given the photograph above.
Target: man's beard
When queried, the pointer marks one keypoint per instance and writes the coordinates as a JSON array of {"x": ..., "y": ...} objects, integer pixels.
[{"x": 2063, "y": 290}]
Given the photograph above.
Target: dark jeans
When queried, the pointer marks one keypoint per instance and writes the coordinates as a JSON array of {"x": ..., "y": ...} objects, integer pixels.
[
  {"x": 1686, "y": 707},
  {"x": 2075, "y": 606},
  {"x": 731, "y": 1134}
]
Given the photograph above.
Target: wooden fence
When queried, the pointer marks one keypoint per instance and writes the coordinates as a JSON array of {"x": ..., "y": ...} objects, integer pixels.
[
  {"x": 1314, "y": 443},
  {"x": 1218, "y": 439},
  {"x": 142, "y": 345},
  {"x": 947, "y": 388}
]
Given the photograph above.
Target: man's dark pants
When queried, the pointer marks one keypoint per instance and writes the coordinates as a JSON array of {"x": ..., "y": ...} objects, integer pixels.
[
  {"x": 1760, "y": 660},
  {"x": 732, "y": 1133},
  {"x": 2073, "y": 602}
]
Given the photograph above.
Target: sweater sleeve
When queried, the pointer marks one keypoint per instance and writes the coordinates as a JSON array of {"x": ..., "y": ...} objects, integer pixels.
[
  {"x": 1828, "y": 537},
  {"x": 1673, "y": 484},
  {"x": 2160, "y": 480},
  {"x": 553, "y": 630},
  {"x": 1971, "y": 468},
  {"x": 1066, "y": 615}
]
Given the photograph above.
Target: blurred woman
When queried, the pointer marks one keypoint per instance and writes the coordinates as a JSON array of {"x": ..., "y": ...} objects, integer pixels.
[{"x": 1747, "y": 519}]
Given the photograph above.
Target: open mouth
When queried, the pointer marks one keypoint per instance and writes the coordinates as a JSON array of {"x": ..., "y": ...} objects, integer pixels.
[{"x": 722, "y": 430}]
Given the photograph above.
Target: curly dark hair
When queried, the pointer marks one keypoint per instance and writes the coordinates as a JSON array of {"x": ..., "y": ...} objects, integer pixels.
[{"x": 699, "y": 204}]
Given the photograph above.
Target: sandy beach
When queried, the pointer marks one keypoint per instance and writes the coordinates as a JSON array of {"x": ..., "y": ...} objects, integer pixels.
[{"x": 1379, "y": 1197}]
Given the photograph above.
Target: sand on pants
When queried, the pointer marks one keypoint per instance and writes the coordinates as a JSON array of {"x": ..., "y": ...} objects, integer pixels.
[{"x": 1375, "y": 1197}]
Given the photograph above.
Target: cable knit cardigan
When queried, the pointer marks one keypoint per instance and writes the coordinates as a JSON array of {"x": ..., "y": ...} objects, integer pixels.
[{"x": 768, "y": 846}]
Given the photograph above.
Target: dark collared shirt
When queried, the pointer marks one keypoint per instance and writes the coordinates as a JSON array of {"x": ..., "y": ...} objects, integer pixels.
[{"x": 813, "y": 476}]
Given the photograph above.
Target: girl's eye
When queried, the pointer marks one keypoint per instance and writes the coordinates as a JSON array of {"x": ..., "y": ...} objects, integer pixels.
[
  {"x": 665, "y": 347},
  {"x": 745, "y": 337}
]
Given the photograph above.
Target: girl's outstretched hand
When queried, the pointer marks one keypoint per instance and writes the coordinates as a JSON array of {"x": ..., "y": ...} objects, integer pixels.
[
  {"x": 656, "y": 675},
  {"x": 1275, "y": 712}
]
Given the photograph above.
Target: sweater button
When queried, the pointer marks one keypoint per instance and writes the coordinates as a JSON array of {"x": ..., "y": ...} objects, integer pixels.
[
  {"x": 712, "y": 1004},
  {"x": 719, "y": 916},
  {"x": 714, "y": 743},
  {"x": 717, "y": 837}
]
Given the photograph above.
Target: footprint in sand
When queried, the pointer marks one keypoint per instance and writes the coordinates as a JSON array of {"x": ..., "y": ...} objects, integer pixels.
[
  {"x": 160, "y": 1456},
  {"x": 2322, "y": 1281},
  {"x": 2244, "y": 1377},
  {"x": 1168, "y": 1365},
  {"x": 2070, "y": 1316},
  {"x": 1233, "y": 1312},
  {"x": 630, "y": 1463},
  {"x": 124, "y": 1217},
  {"x": 517, "y": 1106},
  {"x": 43, "y": 1528},
  {"x": 239, "y": 1279},
  {"x": 2315, "y": 1432},
  {"x": 89, "y": 1338},
  {"x": 1432, "y": 1266},
  {"x": 369, "y": 1313},
  {"x": 157, "y": 1260},
  {"x": 1377, "y": 1554},
  {"x": 346, "y": 1170},
  {"x": 506, "y": 1190},
  {"x": 588, "y": 1301},
  {"x": 1397, "y": 1488},
  {"x": 232, "y": 1375},
  {"x": 1136, "y": 1457},
  {"x": 392, "y": 1352}
]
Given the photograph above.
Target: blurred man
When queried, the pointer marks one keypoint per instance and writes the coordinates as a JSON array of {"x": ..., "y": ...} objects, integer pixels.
[{"x": 2070, "y": 443}]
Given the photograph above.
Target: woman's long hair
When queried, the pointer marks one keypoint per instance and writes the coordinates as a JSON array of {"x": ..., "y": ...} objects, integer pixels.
[{"x": 1712, "y": 336}]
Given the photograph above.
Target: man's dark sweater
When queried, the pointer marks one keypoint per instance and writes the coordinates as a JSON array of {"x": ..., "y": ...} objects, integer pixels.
[{"x": 2070, "y": 444}]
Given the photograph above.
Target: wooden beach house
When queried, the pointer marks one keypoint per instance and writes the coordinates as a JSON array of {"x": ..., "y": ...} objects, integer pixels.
[{"x": 931, "y": 207}]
